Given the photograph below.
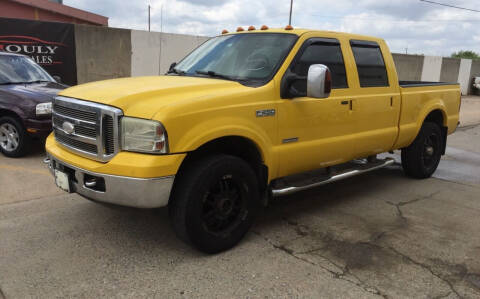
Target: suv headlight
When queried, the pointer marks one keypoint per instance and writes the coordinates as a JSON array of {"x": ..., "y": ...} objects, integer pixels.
[
  {"x": 43, "y": 109},
  {"x": 142, "y": 135}
]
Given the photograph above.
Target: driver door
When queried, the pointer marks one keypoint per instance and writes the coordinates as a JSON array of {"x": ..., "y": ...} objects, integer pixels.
[{"x": 315, "y": 133}]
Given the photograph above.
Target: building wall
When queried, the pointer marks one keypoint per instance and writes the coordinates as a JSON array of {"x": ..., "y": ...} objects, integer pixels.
[
  {"x": 102, "y": 53},
  {"x": 15, "y": 10},
  {"x": 432, "y": 66}
]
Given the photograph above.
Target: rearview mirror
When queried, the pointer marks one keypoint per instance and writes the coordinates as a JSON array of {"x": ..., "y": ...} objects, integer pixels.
[
  {"x": 172, "y": 66},
  {"x": 319, "y": 81},
  {"x": 57, "y": 78}
]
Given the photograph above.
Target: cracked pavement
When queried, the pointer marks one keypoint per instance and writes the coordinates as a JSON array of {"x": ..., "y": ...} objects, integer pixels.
[{"x": 376, "y": 235}]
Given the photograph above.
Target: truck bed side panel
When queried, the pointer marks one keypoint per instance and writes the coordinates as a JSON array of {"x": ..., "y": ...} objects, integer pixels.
[{"x": 419, "y": 101}]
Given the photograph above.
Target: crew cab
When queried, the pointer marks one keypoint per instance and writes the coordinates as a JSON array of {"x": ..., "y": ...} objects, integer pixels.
[{"x": 245, "y": 117}]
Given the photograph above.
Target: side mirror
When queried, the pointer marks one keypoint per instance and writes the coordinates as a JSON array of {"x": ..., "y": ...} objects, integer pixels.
[
  {"x": 319, "y": 81},
  {"x": 172, "y": 66},
  {"x": 57, "y": 78}
]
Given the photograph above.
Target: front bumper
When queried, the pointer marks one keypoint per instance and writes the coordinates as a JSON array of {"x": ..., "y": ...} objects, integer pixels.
[
  {"x": 38, "y": 127},
  {"x": 112, "y": 189}
]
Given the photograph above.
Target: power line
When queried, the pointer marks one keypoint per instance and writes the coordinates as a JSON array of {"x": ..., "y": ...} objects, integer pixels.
[
  {"x": 398, "y": 21},
  {"x": 448, "y": 5}
]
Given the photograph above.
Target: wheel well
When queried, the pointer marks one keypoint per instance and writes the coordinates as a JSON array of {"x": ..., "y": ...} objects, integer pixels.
[
  {"x": 436, "y": 116},
  {"x": 237, "y": 146},
  {"x": 5, "y": 112}
]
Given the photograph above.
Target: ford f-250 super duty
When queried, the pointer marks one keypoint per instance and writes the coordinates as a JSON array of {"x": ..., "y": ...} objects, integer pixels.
[{"x": 244, "y": 117}]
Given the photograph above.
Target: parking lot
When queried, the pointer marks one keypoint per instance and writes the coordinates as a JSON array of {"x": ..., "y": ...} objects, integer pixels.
[{"x": 376, "y": 235}]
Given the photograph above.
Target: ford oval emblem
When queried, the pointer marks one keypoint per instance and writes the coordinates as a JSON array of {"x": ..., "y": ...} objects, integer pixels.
[{"x": 68, "y": 127}]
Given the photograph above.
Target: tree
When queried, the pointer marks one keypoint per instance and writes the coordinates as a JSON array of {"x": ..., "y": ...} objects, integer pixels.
[{"x": 465, "y": 54}]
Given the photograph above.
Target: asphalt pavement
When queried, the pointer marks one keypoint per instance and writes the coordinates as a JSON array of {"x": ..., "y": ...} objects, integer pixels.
[{"x": 376, "y": 235}]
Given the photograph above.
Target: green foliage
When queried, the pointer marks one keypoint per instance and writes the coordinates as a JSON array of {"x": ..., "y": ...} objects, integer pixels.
[{"x": 466, "y": 55}]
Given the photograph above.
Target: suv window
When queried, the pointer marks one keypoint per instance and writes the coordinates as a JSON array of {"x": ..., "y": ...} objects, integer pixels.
[
  {"x": 327, "y": 52},
  {"x": 370, "y": 64}
]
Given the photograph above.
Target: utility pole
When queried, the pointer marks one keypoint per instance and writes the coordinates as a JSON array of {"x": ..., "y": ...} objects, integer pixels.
[
  {"x": 149, "y": 17},
  {"x": 290, "y": 18}
]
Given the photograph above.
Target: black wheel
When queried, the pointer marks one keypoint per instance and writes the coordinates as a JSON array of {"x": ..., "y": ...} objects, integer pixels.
[
  {"x": 214, "y": 203},
  {"x": 421, "y": 158},
  {"x": 13, "y": 138}
]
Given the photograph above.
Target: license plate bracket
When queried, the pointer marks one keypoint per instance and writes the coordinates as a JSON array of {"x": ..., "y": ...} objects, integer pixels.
[{"x": 62, "y": 180}]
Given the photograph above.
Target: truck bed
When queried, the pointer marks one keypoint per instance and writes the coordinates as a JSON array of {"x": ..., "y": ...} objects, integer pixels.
[{"x": 406, "y": 84}]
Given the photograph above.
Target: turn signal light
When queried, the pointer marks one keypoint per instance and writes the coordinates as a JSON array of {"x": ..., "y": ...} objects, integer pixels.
[
  {"x": 264, "y": 27},
  {"x": 240, "y": 29},
  {"x": 224, "y": 31},
  {"x": 289, "y": 27},
  {"x": 251, "y": 28}
]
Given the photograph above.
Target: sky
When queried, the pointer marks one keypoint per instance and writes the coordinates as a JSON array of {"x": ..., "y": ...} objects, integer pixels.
[{"x": 410, "y": 26}]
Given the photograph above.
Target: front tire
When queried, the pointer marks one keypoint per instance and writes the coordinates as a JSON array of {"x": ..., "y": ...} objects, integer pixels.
[
  {"x": 421, "y": 158},
  {"x": 214, "y": 203},
  {"x": 14, "y": 139}
]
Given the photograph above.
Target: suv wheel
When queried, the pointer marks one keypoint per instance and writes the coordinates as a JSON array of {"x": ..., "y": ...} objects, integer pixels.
[
  {"x": 421, "y": 158},
  {"x": 214, "y": 203},
  {"x": 13, "y": 138}
]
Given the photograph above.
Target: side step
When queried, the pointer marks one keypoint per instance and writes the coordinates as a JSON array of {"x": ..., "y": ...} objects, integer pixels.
[{"x": 357, "y": 167}]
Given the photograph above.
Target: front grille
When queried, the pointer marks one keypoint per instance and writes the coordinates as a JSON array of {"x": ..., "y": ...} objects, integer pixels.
[
  {"x": 75, "y": 113},
  {"x": 86, "y": 128},
  {"x": 108, "y": 134},
  {"x": 86, "y": 147}
]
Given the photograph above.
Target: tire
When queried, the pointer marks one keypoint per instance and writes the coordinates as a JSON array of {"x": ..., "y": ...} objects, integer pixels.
[
  {"x": 14, "y": 140},
  {"x": 421, "y": 158},
  {"x": 214, "y": 203}
]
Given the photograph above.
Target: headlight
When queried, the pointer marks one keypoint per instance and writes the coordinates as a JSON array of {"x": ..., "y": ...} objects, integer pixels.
[
  {"x": 141, "y": 135},
  {"x": 43, "y": 109}
]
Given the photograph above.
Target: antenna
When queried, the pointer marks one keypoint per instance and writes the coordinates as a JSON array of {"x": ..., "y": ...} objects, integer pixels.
[{"x": 290, "y": 18}]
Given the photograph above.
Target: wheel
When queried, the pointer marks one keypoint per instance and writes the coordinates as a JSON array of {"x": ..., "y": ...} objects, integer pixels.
[
  {"x": 13, "y": 138},
  {"x": 214, "y": 203},
  {"x": 421, "y": 158}
]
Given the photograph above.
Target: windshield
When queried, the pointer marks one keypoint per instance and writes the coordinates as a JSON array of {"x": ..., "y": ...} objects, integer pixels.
[
  {"x": 252, "y": 56},
  {"x": 21, "y": 69}
]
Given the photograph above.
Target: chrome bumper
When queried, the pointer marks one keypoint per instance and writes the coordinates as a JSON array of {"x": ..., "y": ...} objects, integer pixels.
[{"x": 118, "y": 190}]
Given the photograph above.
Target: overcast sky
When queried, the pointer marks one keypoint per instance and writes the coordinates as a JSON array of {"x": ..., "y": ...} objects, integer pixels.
[{"x": 421, "y": 27}]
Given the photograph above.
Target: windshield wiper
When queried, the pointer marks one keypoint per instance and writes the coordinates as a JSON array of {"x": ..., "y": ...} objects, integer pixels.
[
  {"x": 216, "y": 75},
  {"x": 37, "y": 81},
  {"x": 175, "y": 71}
]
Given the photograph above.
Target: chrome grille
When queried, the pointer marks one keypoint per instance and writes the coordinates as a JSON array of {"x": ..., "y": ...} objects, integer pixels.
[{"x": 86, "y": 128}]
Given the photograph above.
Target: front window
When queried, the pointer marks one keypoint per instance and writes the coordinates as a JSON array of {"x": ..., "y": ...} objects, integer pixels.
[
  {"x": 21, "y": 69},
  {"x": 247, "y": 58}
]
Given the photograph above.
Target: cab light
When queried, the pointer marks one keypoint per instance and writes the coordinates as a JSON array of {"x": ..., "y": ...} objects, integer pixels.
[
  {"x": 239, "y": 29},
  {"x": 289, "y": 27},
  {"x": 224, "y": 31},
  {"x": 251, "y": 28},
  {"x": 264, "y": 27}
]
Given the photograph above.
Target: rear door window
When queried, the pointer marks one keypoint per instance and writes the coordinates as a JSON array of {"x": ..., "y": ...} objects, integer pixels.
[{"x": 370, "y": 64}]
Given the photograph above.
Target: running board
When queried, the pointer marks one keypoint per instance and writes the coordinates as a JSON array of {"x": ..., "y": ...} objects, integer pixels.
[{"x": 362, "y": 168}]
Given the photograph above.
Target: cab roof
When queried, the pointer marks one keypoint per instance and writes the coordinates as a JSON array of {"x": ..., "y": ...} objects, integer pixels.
[{"x": 301, "y": 31}]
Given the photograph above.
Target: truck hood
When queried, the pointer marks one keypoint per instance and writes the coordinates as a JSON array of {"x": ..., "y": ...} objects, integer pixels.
[{"x": 145, "y": 96}]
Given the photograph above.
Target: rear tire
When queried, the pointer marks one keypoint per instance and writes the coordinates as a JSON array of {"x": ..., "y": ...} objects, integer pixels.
[
  {"x": 214, "y": 203},
  {"x": 14, "y": 140},
  {"x": 421, "y": 158}
]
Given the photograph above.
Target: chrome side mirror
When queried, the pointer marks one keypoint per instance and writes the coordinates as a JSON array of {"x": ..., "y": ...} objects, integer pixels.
[{"x": 319, "y": 81}]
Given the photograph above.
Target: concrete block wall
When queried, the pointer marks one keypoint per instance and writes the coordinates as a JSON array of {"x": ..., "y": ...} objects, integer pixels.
[{"x": 104, "y": 53}]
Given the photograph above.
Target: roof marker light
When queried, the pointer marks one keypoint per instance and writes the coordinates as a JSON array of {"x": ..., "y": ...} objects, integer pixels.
[
  {"x": 240, "y": 29},
  {"x": 264, "y": 27},
  {"x": 224, "y": 31},
  {"x": 251, "y": 28},
  {"x": 289, "y": 27}
]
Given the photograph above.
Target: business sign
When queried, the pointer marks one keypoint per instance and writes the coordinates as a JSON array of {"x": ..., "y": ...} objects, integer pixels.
[{"x": 50, "y": 44}]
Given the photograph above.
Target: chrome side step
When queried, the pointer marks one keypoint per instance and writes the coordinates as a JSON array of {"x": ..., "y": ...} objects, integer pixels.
[{"x": 362, "y": 168}]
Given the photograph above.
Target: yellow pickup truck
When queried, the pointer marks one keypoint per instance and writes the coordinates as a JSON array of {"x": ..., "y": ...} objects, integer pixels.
[{"x": 245, "y": 117}]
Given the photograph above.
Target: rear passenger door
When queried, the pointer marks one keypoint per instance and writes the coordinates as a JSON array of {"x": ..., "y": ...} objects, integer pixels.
[{"x": 376, "y": 104}]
